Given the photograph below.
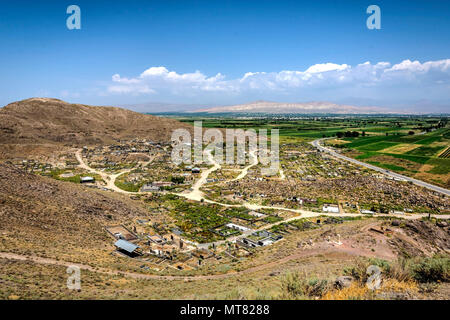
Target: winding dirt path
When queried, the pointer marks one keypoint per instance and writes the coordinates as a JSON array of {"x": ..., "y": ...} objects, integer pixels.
[
  {"x": 253, "y": 163},
  {"x": 110, "y": 179},
  {"x": 196, "y": 194}
]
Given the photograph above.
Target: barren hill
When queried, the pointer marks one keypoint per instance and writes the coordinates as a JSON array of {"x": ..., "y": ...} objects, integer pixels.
[
  {"x": 45, "y": 120},
  {"x": 303, "y": 108},
  {"x": 39, "y": 214}
]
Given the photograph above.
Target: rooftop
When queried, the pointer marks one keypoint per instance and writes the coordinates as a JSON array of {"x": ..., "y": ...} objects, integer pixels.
[{"x": 125, "y": 245}]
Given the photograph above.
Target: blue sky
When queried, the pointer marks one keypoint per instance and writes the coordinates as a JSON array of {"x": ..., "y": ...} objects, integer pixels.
[{"x": 226, "y": 52}]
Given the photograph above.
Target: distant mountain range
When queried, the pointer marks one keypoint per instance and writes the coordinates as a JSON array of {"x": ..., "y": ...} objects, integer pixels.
[
  {"x": 288, "y": 107},
  {"x": 160, "y": 107}
]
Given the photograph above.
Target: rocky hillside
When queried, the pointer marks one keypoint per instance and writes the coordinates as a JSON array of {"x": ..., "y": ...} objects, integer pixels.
[
  {"x": 38, "y": 214},
  {"x": 44, "y": 120}
]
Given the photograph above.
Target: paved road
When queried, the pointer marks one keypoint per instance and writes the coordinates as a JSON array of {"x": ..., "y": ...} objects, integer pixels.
[{"x": 316, "y": 143}]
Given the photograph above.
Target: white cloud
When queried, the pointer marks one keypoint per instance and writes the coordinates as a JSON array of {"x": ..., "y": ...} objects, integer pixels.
[
  {"x": 324, "y": 67},
  {"x": 365, "y": 79},
  {"x": 130, "y": 89}
]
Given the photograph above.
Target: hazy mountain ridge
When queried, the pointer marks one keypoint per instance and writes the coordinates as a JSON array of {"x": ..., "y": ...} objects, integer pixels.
[{"x": 288, "y": 107}]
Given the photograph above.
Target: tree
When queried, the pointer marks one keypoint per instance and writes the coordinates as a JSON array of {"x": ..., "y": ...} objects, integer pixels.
[
  {"x": 339, "y": 134},
  {"x": 177, "y": 180},
  {"x": 353, "y": 134},
  {"x": 410, "y": 133}
]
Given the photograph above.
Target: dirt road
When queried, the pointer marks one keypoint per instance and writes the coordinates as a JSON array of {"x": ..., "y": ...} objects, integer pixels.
[
  {"x": 297, "y": 255},
  {"x": 110, "y": 179}
]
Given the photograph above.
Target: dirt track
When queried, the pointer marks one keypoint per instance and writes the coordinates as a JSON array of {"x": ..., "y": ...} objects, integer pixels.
[
  {"x": 297, "y": 255},
  {"x": 110, "y": 179}
]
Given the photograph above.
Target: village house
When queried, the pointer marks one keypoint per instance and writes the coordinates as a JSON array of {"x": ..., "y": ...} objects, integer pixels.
[
  {"x": 237, "y": 227},
  {"x": 156, "y": 239},
  {"x": 162, "y": 184},
  {"x": 87, "y": 179},
  {"x": 260, "y": 239},
  {"x": 330, "y": 208},
  {"x": 149, "y": 188},
  {"x": 128, "y": 248},
  {"x": 257, "y": 214}
]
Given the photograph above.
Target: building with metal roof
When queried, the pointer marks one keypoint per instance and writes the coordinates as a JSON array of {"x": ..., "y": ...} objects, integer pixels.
[{"x": 127, "y": 247}]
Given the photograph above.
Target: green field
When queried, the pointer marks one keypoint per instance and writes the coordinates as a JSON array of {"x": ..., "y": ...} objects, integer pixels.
[
  {"x": 372, "y": 138},
  {"x": 425, "y": 149},
  {"x": 377, "y": 146}
]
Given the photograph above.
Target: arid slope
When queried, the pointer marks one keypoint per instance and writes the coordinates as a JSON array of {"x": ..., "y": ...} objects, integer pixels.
[
  {"x": 53, "y": 218},
  {"x": 45, "y": 120}
]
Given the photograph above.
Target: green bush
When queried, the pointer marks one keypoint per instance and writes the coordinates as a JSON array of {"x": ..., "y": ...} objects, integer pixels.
[
  {"x": 359, "y": 269},
  {"x": 296, "y": 287},
  {"x": 432, "y": 269}
]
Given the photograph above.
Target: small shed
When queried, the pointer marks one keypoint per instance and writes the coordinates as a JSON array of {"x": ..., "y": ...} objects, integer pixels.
[
  {"x": 127, "y": 247},
  {"x": 86, "y": 179},
  {"x": 150, "y": 188}
]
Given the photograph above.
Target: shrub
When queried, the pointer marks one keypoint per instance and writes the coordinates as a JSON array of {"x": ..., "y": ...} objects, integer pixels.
[
  {"x": 295, "y": 287},
  {"x": 359, "y": 270},
  {"x": 354, "y": 292},
  {"x": 316, "y": 287},
  {"x": 401, "y": 270},
  {"x": 432, "y": 269}
]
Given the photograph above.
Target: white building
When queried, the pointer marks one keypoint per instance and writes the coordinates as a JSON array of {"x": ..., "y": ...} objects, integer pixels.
[
  {"x": 331, "y": 208},
  {"x": 237, "y": 227},
  {"x": 256, "y": 214},
  {"x": 86, "y": 179}
]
